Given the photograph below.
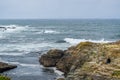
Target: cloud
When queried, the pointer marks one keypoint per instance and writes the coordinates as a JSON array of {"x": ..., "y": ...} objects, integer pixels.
[{"x": 60, "y": 9}]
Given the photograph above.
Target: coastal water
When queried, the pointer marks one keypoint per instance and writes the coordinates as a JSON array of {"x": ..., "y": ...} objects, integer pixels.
[{"x": 23, "y": 41}]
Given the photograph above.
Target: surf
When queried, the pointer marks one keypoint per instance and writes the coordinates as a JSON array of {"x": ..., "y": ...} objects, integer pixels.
[{"x": 76, "y": 41}]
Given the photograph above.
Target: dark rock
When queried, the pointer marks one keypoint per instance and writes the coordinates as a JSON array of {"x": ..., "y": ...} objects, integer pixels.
[
  {"x": 108, "y": 61},
  {"x": 61, "y": 41},
  {"x": 3, "y": 28},
  {"x": 60, "y": 79},
  {"x": 65, "y": 63},
  {"x": 51, "y": 58},
  {"x": 5, "y": 67}
]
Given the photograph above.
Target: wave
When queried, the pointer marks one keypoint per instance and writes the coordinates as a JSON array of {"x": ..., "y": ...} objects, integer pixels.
[
  {"x": 24, "y": 65},
  {"x": 12, "y": 54},
  {"x": 6, "y": 29},
  {"x": 1, "y": 36},
  {"x": 11, "y": 28},
  {"x": 22, "y": 49},
  {"x": 30, "y": 65},
  {"x": 50, "y": 31},
  {"x": 58, "y": 72},
  {"x": 76, "y": 41},
  {"x": 47, "y": 32},
  {"x": 26, "y": 48}
]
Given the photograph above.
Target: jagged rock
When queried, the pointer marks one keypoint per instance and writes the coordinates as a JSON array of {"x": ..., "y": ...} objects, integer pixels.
[
  {"x": 65, "y": 63},
  {"x": 5, "y": 67},
  {"x": 88, "y": 61},
  {"x": 51, "y": 58}
]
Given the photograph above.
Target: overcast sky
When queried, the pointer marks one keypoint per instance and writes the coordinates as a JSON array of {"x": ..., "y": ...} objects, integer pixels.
[{"x": 59, "y": 9}]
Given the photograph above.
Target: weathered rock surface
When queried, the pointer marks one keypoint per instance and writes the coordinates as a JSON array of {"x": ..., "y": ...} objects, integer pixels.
[
  {"x": 88, "y": 61},
  {"x": 51, "y": 58},
  {"x": 60, "y": 79},
  {"x": 5, "y": 67}
]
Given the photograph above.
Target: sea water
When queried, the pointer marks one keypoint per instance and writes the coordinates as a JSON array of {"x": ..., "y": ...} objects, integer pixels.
[{"x": 22, "y": 42}]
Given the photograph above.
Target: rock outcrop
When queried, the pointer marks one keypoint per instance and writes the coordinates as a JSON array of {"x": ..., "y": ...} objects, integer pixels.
[
  {"x": 5, "y": 67},
  {"x": 87, "y": 61},
  {"x": 51, "y": 58}
]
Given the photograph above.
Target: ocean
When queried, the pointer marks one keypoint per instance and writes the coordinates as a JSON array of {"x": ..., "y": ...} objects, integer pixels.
[{"x": 23, "y": 41}]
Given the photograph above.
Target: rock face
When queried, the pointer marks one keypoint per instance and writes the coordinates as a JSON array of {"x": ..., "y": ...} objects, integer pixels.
[
  {"x": 5, "y": 67},
  {"x": 87, "y": 61},
  {"x": 51, "y": 58}
]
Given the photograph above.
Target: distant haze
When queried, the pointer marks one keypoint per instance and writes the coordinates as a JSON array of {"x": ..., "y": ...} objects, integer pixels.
[{"x": 59, "y": 9}]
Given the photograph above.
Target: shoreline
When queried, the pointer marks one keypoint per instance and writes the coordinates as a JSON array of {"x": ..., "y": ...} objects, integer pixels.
[{"x": 77, "y": 62}]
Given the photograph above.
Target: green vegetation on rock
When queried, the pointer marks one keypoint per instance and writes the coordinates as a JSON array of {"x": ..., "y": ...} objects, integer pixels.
[
  {"x": 2, "y": 77},
  {"x": 116, "y": 74}
]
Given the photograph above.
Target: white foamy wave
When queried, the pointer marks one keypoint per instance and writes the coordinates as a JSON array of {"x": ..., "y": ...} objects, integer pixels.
[
  {"x": 47, "y": 32},
  {"x": 30, "y": 65},
  {"x": 55, "y": 70},
  {"x": 22, "y": 49},
  {"x": 76, "y": 41},
  {"x": 11, "y": 28},
  {"x": 50, "y": 31},
  {"x": 25, "y": 65},
  {"x": 12, "y": 54},
  {"x": 1, "y": 36},
  {"x": 58, "y": 72},
  {"x": 26, "y": 48}
]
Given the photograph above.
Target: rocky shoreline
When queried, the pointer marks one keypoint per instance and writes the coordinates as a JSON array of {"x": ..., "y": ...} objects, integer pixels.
[
  {"x": 6, "y": 67},
  {"x": 86, "y": 61}
]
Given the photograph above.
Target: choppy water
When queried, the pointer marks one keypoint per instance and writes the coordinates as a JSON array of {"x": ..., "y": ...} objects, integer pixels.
[{"x": 23, "y": 41}]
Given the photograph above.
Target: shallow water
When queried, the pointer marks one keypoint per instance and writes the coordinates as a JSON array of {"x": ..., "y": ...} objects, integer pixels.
[{"x": 24, "y": 41}]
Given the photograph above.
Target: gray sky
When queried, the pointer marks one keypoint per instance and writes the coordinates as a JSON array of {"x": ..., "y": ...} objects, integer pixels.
[{"x": 55, "y": 9}]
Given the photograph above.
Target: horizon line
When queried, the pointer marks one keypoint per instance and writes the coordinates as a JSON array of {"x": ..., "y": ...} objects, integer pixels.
[{"x": 57, "y": 18}]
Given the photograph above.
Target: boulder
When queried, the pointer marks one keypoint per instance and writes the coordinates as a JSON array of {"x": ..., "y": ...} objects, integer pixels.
[
  {"x": 5, "y": 67},
  {"x": 51, "y": 58}
]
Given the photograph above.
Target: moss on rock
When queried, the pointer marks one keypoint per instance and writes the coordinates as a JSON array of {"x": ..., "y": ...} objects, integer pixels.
[
  {"x": 2, "y": 77},
  {"x": 116, "y": 74}
]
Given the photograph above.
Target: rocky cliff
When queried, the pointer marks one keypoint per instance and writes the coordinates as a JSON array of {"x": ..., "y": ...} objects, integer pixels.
[{"x": 86, "y": 61}]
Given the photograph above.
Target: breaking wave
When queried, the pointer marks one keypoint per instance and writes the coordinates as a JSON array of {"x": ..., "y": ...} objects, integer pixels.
[
  {"x": 47, "y": 32},
  {"x": 76, "y": 41},
  {"x": 50, "y": 31},
  {"x": 11, "y": 28}
]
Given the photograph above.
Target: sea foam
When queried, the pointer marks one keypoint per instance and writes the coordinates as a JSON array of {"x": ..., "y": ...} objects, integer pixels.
[
  {"x": 12, "y": 28},
  {"x": 76, "y": 41},
  {"x": 50, "y": 31}
]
